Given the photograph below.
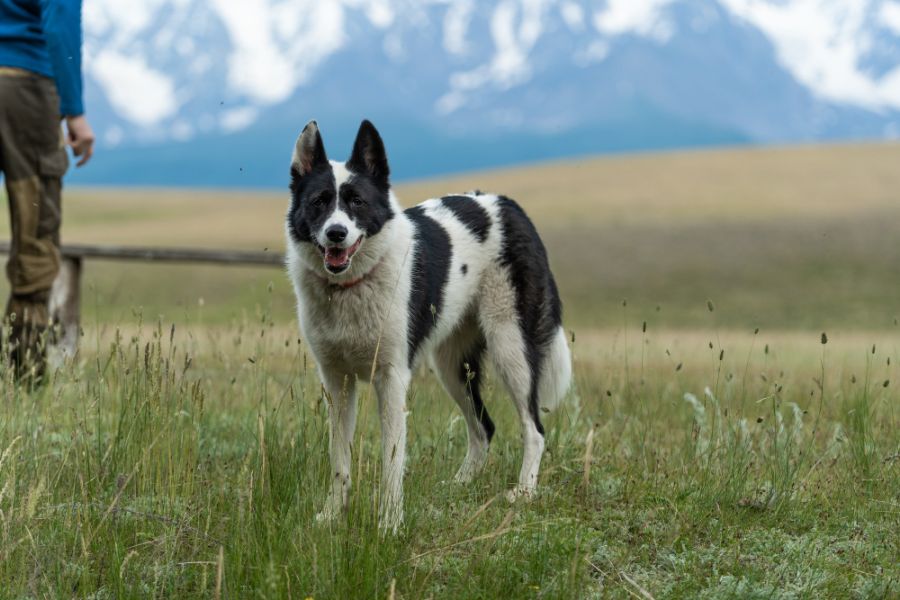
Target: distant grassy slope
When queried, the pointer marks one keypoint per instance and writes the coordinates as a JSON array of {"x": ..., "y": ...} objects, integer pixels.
[{"x": 802, "y": 237}]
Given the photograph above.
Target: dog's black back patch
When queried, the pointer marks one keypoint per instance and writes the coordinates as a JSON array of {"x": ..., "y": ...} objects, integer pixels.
[
  {"x": 537, "y": 298},
  {"x": 430, "y": 272},
  {"x": 471, "y": 214}
]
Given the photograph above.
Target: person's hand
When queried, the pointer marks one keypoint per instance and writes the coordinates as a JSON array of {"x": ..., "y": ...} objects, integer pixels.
[{"x": 80, "y": 137}]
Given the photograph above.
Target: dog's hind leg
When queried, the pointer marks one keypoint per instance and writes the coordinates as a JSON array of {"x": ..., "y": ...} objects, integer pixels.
[
  {"x": 506, "y": 348},
  {"x": 458, "y": 363},
  {"x": 508, "y": 357},
  {"x": 341, "y": 396}
]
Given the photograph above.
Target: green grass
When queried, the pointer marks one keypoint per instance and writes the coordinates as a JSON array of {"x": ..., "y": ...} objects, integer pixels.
[
  {"x": 174, "y": 463},
  {"x": 189, "y": 460}
]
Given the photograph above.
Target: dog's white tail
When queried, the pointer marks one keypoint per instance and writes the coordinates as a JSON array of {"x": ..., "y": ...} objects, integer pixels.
[{"x": 556, "y": 372}]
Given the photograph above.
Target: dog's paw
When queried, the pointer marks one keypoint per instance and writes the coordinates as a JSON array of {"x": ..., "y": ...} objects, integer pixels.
[
  {"x": 520, "y": 492},
  {"x": 390, "y": 522},
  {"x": 471, "y": 467},
  {"x": 327, "y": 514},
  {"x": 464, "y": 475}
]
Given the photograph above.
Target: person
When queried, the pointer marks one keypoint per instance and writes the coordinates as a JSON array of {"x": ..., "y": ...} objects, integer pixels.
[{"x": 40, "y": 85}]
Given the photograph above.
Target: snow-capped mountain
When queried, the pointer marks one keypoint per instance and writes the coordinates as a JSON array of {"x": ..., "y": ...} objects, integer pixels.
[{"x": 214, "y": 91}]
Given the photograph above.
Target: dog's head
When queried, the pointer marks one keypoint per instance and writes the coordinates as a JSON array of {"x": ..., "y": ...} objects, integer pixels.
[{"x": 338, "y": 208}]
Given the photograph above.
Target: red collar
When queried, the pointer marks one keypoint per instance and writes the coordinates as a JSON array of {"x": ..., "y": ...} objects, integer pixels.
[{"x": 346, "y": 285}]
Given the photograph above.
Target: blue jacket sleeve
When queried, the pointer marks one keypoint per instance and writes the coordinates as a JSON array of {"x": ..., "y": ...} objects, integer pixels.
[{"x": 62, "y": 32}]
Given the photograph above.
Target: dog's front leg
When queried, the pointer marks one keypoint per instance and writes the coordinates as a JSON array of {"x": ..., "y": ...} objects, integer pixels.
[
  {"x": 341, "y": 398},
  {"x": 391, "y": 385}
]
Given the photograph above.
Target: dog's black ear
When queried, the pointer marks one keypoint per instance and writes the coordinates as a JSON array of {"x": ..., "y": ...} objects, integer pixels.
[
  {"x": 369, "y": 156},
  {"x": 309, "y": 152}
]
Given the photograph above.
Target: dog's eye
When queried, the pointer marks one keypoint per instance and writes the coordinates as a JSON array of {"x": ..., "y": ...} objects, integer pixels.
[
  {"x": 353, "y": 199},
  {"x": 321, "y": 200}
]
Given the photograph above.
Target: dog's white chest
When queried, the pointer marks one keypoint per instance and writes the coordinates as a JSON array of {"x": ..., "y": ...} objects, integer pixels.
[{"x": 346, "y": 327}]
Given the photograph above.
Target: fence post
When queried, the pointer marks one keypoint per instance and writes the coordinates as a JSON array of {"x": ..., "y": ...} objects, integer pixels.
[{"x": 65, "y": 308}]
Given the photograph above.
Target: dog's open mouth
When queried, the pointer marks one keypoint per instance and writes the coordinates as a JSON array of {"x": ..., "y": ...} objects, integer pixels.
[{"x": 338, "y": 259}]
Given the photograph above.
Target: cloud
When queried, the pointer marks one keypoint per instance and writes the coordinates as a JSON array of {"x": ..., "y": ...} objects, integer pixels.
[
  {"x": 137, "y": 92},
  {"x": 640, "y": 17},
  {"x": 823, "y": 44},
  {"x": 890, "y": 16}
]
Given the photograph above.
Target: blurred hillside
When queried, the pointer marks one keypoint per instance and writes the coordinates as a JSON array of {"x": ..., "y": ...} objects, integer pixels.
[{"x": 791, "y": 238}]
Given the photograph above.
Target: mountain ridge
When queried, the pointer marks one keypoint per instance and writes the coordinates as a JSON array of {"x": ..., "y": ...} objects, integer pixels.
[{"x": 185, "y": 87}]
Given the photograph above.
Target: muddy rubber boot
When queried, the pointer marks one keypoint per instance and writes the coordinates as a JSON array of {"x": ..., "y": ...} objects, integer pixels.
[
  {"x": 28, "y": 354},
  {"x": 28, "y": 329}
]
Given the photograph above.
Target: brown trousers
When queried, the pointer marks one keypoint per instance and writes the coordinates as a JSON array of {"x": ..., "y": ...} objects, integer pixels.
[{"x": 33, "y": 160}]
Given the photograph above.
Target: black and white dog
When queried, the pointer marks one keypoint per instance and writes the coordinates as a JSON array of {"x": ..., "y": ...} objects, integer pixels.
[{"x": 458, "y": 280}]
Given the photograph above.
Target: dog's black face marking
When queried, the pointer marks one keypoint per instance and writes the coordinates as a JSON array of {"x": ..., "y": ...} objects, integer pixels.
[
  {"x": 430, "y": 272},
  {"x": 471, "y": 214},
  {"x": 313, "y": 195},
  {"x": 470, "y": 374},
  {"x": 365, "y": 196},
  {"x": 365, "y": 203},
  {"x": 537, "y": 298},
  {"x": 464, "y": 269}
]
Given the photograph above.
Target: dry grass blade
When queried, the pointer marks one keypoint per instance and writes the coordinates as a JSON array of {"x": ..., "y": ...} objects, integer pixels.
[
  {"x": 588, "y": 451},
  {"x": 643, "y": 593},
  {"x": 500, "y": 530},
  {"x": 220, "y": 572},
  {"x": 477, "y": 514}
]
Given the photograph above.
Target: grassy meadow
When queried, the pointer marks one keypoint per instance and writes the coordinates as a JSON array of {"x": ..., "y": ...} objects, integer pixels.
[{"x": 715, "y": 444}]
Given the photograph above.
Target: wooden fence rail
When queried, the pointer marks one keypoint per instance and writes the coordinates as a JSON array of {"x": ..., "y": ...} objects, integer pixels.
[{"x": 65, "y": 297}]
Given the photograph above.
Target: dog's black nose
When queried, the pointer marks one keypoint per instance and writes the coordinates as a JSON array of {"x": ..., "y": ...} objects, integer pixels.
[{"x": 336, "y": 233}]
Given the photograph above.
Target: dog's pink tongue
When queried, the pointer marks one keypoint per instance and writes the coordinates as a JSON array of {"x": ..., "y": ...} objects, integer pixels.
[{"x": 336, "y": 257}]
